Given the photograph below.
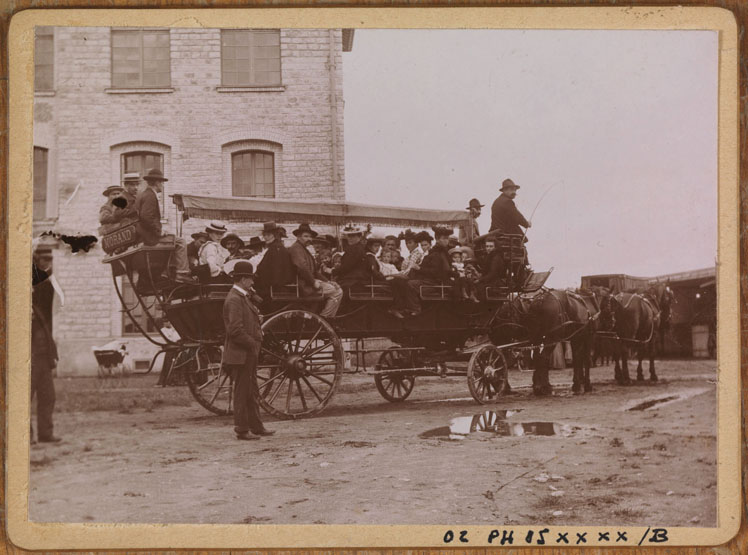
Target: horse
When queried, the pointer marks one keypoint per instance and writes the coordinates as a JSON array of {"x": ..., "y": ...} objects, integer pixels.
[
  {"x": 545, "y": 319},
  {"x": 663, "y": 297},
  {"x": 636, "y": 320}
]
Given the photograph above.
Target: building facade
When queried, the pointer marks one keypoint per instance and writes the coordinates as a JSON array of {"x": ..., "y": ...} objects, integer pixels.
[{"x": 224, "y": 112}]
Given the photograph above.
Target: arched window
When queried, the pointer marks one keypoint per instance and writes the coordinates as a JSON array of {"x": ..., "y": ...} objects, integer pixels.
[{"x": 253, "y": 173}]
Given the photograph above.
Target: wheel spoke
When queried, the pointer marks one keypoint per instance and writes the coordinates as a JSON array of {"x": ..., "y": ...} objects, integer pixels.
[
  {"x": 271, "y": 353},
  {"x": 314, "y": 391},
  {"x": 277, "y": 390},
  {"x": 319, "y": 349},
  {"x": 266, "y": 383},
  {"x": 207, "y": 383},
  {"x": 320, "y": 378},
  {"x": 312, "y": 340},
  {"x": 399, "y": 391},
  {"x": 301, "y": 394},
  {"x": 218, "y": 389},
  {"x": 288, "y": 396}
]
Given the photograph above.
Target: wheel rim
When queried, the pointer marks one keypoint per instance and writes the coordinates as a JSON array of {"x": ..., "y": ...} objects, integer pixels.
[
  {"x": 487, "y": 372},
  {"x": 395, "y": 387},
  {"x": 211, "y": 388},
  {"x": 300, "y": 364}
]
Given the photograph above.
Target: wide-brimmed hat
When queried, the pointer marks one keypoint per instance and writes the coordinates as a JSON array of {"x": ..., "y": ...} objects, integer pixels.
[
  {"x": 374, "y": 238},
  {"x": 112, "y": 188},
  {"x": 474, "y": 203},
  {"x": 199, "y": 234},
  {"x": 456, "y": 249},
  {"x": 226, "y": 238},
  {"x": 508, "y": 184},
  {"x": 352, "y": 230},
  {"x": 131, "y": 177},
  {"x": 270, "y": 227},
  {"x": 243, "y": 268},
  {"x": 155, "y": 175},
  {"x": 216, "y": 227},
  {"x": 408, "y": 235},
  {"x": 440, "y": 231},
  {"x": 304, "y": 228},
  {"x": 255, "y": 242}
]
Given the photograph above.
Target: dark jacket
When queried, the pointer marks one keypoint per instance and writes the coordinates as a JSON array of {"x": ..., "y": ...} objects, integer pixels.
[
  {"x": 43, "y": 348},
  {"x": 306, "y": 269},
  {"x": 275, "y": 268},
  {"x": 492, "y": 268},
  {"x": 357, "y": 266},
  {"x": 505, "y": 217},
  {"x": 149, "y": 217},
  {"x": 243, "y": 334},
  {"x": 435, "y": 266}
]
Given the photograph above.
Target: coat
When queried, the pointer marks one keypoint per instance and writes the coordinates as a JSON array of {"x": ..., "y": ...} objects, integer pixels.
[
  {"x": 493, "y": 268},
  {"x": 505, "y": 217},
  {"x": 43, "y": 348},
  {"x": 435, "y": 266},
  {"x": 275, "y": 268},
  {"x": 149, "y": 217},
  {"x": 357, "y": 267},
  {"x": 306, "y": 268},
  {"x": 243, "y": 334}
]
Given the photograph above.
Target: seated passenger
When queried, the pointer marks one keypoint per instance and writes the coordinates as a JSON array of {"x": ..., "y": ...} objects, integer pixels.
[
  {"x": 234, "y": 245},
  {"x": 212, "y": 252},
  {"x": 131, "y": 183},
  {"x": 415, "y": 254},
  {"x": 116, "y": 212},
  {"x": 386, "y": 264},
  {"x": 436, "y": 269},
  {"x": 275, "y": 268},
  {"x": 353, "y": 266},
  {"x": 256, "y": 247},
  {"x": 492, "y": 265},
  {"x": 149, "y": 225},
  {"x": 311, "y": 281},
  {"x": 193, "y": 247},
  {"x": 464, "y": 288}
]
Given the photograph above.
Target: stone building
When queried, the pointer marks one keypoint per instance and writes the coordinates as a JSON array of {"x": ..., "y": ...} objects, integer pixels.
[{"x": 225, "y": 112}]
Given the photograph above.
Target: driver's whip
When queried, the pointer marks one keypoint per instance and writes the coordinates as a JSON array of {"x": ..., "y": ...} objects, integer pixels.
[{"x": 536, "y": 207}]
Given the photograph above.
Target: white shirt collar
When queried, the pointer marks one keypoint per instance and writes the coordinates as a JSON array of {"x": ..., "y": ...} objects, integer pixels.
[{"x": 240, "y": 289}]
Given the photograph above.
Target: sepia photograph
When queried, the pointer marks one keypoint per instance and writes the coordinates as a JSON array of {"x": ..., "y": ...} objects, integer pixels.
[{"x": 375, "y": 276}]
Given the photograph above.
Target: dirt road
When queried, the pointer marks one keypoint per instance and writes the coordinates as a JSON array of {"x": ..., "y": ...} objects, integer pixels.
[{"x": 135, "y": 453}]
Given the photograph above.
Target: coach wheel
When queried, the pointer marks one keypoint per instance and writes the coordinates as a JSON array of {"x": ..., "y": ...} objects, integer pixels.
[
  {"x": 209, "y": 386},
  {"x": 300, "y": 364},
  {"x": 395, "y": 387},
  {"x": 487, "y": 373}
]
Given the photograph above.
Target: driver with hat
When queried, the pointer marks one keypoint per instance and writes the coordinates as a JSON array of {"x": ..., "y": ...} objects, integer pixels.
[
  {"x": 241, "y": 350},
  {"x": 505, "y": 218}
]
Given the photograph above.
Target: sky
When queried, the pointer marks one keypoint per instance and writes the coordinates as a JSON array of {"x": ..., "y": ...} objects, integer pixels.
[{"x": 611, "y": 135}]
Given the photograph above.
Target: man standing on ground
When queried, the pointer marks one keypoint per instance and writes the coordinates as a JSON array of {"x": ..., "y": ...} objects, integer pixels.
[{"x": 241, "y": 350}]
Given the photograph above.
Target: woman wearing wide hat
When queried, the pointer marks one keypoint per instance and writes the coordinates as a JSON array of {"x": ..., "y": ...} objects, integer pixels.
[{"x": 212, "y": 253}]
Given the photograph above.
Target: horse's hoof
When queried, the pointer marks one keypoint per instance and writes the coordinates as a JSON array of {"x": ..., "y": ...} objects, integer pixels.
[
  {"x": 542, "y": 391},
  {"x": 639, "y": 377},
  {"x": 653, "y": 378},
  {"x": 576, "y": 388},
  {"x": 587, "y": 388}
]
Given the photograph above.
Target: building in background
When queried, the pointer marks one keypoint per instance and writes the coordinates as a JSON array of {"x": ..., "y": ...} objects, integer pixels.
[
  {"x": 222, "y": 112},
  {"x": 693, "y": 322}
]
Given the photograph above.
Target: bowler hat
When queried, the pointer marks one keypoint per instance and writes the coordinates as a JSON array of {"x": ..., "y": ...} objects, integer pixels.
[
  {"x": 508, "y": 184},
  {"x": 255, "y": 243},
  {"x": 199, "y": 234},
  {"x": 474, "y": 203},
  {"x": 243, "y": 268},
  {"x": 270, "y": 227},
  {"x": 155, "y": 175},
  {"x": 226, "y": 238},
  {"x": 112, "y": 188},
  {"x": 304, "y": 228},
  {"x": 216, "y": 227}
]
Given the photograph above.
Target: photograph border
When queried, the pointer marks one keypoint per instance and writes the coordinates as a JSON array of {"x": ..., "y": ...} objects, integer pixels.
[{"x": 87, "y": 536}]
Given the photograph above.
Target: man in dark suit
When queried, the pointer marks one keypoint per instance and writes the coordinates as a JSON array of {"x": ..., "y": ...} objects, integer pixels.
[
  {"x": 241, "y": 351},
  {"x": 310, "y": 280},
  {"x": 505, "y": 218},
  {"x": 276, "y": 267},
  {"x": 149, "y": 225},
  {"x": 43, "y": 354}
]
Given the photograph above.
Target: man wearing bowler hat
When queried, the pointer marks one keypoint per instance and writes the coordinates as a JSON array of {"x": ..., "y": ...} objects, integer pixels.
[
  {"x": 276, "y": 267},
  {"x": 241, "y": 350},
  {"x": 149, "y": 224},
  {"x": 466, "y": 236},
  {"x": 311, "y": 281},
  {"x": 505, "y": 218}
]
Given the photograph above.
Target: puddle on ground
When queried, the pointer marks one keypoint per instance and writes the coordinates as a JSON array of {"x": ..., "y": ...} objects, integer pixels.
[
  {"x": 495, "y": 423},
  {"x": 644, "y": 405}
]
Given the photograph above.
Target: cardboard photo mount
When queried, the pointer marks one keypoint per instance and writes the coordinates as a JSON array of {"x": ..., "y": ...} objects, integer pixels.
[{"x": 89, "y": 536}]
